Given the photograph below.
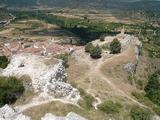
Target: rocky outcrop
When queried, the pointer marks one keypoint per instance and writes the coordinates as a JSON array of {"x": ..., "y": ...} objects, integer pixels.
[
  {"x": 70, "y": 116},
  {"x": 155, "y": 117},
  {"x": 130, "y": 68},
  {"x": 134, "y": 41},
  {"x": 47, "y": 75},
  {"x": 8, "y": 113}
]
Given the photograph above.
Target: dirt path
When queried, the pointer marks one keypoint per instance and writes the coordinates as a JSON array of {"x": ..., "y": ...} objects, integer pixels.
[
  {"x": 95, "y": 66},
  {"x": 37, "y": 102}
]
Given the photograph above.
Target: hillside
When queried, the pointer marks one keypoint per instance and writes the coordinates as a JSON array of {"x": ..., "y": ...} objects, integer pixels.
[{"x": 79, "y": 60}]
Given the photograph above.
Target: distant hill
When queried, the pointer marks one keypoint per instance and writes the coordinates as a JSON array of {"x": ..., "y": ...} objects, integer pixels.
[{"x": 101, "y": 4}]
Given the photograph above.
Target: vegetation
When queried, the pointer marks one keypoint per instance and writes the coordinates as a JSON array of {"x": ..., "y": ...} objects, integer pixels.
[
  {"x": 151, "y": 41},
  {"x": 115, "y": 46},
  {"x": 102, "y": 38},
  {"x": 10, "y": 90},
  {"x": 96, "y": 52},
  {"x": 87, "y": 99},
  {"x": 152, "y": 89},
  {"x": 110, "y": 107},
  {"x": 138, "y": 113},
  {"x": 88, "y": 47},
  {"x": 3, "y": 62},
  {"x": 86, "y": 30},
  {"x": 65, "y": 58}
]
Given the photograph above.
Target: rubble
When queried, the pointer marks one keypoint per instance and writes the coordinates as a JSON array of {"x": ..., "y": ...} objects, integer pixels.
[{"x": 45, "y": 48}]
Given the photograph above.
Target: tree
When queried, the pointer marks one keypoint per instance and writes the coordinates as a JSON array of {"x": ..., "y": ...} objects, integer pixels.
[
  {"x": 115, "y": 46},
  {"x": 110, "y": 107},
  {"x": 10, "y": 90},
  {"x": 152, "y": 88},
  {"x": 3, "y": 62},
  {"x": 96, "y": 52},
  {"x": 88, "y": 47},
  {"x": 65, "y": 58},
  {"x": 138, "y": 113}
]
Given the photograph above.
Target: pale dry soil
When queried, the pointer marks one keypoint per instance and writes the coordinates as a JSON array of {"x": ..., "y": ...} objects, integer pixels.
[{"x": 98, "y": 79}]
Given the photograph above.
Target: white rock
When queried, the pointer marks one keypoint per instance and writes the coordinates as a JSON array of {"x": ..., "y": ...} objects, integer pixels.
[
  {"x": 48, "y": 75},
  {"x": 70, "y": 116},
  {"x": 8, "y": 113}
]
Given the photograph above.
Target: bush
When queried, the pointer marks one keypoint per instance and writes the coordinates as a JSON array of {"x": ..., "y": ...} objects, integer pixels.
[
  {"x": 10, "y": 90},
  {"x": 110, "y": 107},
  {"x": 65, "y": 58},
  {"x": 138, "y": 113},
  {"x": 156, "y": 109},
  {"x": 152, "y": 88},
  {"x": 87, "y": 99},
  {"x": 88, "y": 47},
  {"x": 96, "y": 52},
  {"x": 115, "y": 46},
  {"x": 3, "y": 62},
  {"x": 102, "y": 38}
]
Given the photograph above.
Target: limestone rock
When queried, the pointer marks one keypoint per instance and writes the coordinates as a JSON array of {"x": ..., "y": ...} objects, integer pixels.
[
  {"x": 47, "y": 75},
  {"x": 130, "y": 68},
  {"x": 70, "y": 116},
  {"x": 8, "y": 113},
  {"x": 155, "y": 117}
]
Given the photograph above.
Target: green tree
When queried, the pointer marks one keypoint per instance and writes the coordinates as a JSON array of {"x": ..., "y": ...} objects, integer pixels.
[
  {"x": 110, "y": 107},
  {"x": 65, "y": 58},
  {"x": 96, "y": 52},
  {"x": 3, "y": 62},
  {"x": 152, "y": 88},
  {"x": 88, "y": 47},
  {"x": 138, "y": 113},
  {"x": 10, "y": 90},
  {"x": 115, "y": 46}
]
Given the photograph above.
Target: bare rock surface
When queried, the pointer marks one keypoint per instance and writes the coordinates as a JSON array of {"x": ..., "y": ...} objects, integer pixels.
[
  {"x": 8, "y": 113},
  {"x": 70, "y": 116},
  {"x": 48, "y": 78}
]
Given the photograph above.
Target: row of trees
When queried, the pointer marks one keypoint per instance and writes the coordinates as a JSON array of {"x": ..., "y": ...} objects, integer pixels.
[{"x": 86, "y": 30}]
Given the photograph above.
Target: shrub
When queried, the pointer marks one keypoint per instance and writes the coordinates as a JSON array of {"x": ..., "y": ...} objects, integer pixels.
[
  {"x": 152, "y": 88},
  {"x": 65, "y": 58},
  {"x": 87, "y": 99},
  {"x": 156, "y": 109},
  {"x": 10, "y": 90},
  {"x": 115, "y": 46},
  {"x": 88, "y": 47},
  {"x": 110, "y": 107},
  {"x": 3, "y": 62},
  {"x": 96, "y": 52},
  {"x": 102, "y": 38},
  {"x": 138, "y": 113}
]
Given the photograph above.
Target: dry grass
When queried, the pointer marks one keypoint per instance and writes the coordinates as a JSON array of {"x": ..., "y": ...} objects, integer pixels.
[
  {"x": 58, "y": 108},
  {"x": 113, "y": 69}
]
